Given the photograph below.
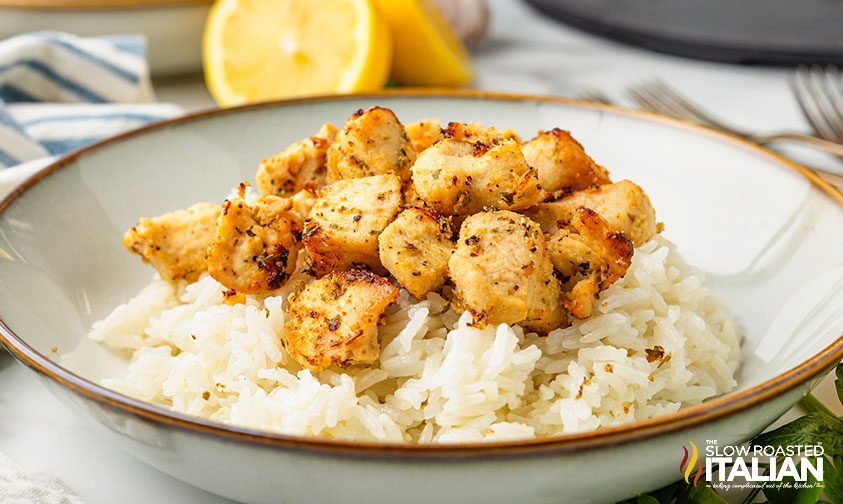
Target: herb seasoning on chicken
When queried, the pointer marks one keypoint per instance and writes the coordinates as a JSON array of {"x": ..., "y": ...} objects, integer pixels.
[
  {"x": 254, "y": 249},
  {"x": 562, "y": 163},
  {"x": 372, "y": 142},
  {"x": 334, "y": 319},
  {"x": 415, "y": 249},
  {"x": 503, "y": 273},
  {"x": 479, "y": 168},
  {"x": 341, "y": 231},
  {"x": 175, "y": 243}
]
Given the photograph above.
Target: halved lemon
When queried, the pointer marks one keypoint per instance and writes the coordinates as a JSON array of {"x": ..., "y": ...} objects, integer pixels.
[
  {"x": 257, "y": 50},
  {"x": 426, "y": 52}
]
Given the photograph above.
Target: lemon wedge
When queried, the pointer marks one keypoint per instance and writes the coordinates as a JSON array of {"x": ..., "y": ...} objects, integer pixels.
[
  {"x": 257, "y": 50},
  {"x": 426, "y": 52}
]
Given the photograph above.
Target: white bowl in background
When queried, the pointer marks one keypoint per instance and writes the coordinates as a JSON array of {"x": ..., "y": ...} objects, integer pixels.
[{"x": 173, "y": 29}]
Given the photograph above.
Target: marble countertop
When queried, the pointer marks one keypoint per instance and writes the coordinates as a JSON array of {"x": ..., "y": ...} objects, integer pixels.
[{"x": 524, "y": 53}]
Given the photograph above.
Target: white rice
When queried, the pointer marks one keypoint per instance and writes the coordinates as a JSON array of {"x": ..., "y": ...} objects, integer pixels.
[{"x": 438, "y": 379}]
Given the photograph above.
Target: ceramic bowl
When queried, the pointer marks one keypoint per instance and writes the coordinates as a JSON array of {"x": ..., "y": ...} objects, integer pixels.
[
  {"x": 765, "y": 231},
  {"x": 173, "y": 28}
]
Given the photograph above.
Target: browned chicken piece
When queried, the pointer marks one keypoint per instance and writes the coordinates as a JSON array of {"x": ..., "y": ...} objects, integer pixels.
[
  {"x": 590, "y": 256},
  {"x": 477, "y": 133},
  {"x": 562, "y": 163},
  {"x": 623, "y": 204},
  {"x": 503, "y": 274},
  {"x": 254, "y": 249},
  {"x": 457, "y": 177},
  {"x": 175, "y": 243},
  {"x": 510, "y": 134},
  {"x": 300, "y": 205},
  {"x": 328, "y": 132},
  {"x": 424, "y": 133},
  {"x": 334, "y": 319},
  {"x": 300, "y": 166},
  {"x": 411, "y": 196},
  {"x": 372, "y": 142},
  {"x": 342, "y": 229},
  {"x": 415, "y": 249}
]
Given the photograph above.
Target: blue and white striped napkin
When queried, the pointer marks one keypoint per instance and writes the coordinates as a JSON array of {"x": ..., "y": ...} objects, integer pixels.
[{"x": 59, "y": 92}]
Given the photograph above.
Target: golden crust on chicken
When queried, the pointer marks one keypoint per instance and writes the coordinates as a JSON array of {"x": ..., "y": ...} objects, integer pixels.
[
  {"x": 624, "y": 205},
  {"x": 562, "y": 163},
  {"x": 424, "y": 133},
  {"x": 254, "y": 249},
  {"x": 590, "y": 256},
  {"x": 334, "y": 319},
  {"x": 175, "y": 243},
  {"x": 341, "y": 231},
  {"x": 372, "y": 142},
  {"x": 328, "y": 132},
  {"x": 458, "y": 177},
  {"x": 415, "y": 249},
  {"x": 503, "y": 274},
  {"x": 477, "y": 133},
  {"x": 301, "y": 166}
]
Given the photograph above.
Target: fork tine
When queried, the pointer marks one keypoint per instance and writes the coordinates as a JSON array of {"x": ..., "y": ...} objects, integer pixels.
[
  {"x": 643, "y": 100},
  {"x": 834, "y": 97},
  {"x": 668, "y": 102},
  {"x": 596, "y": 96},
  {"x": 825, "y": 101},
  {"x": 666, "y": 93},
  {"x": 648, "y": 100},
  {"x": 701, "y": 116},
  {"x": 803, "y": 89}
]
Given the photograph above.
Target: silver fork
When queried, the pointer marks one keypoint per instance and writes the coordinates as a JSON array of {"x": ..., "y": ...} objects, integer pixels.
[
  {"x": 596, "y": 96},
  {"x": 658, "y": 97},
  {"x": 819, "y": 93}
]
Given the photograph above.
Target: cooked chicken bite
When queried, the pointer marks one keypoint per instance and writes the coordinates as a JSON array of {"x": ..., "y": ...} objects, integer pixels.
[
  {"x": 415, "y": 249},
  {"x": 254, "y": 249},
  {"x": 562, "y": 163},
  {"x": 373, "y": 142},
  {"x": 300, "y": 166},
  {"x": 342, "y": 229},
  {"x": 457, "y": 177},
  {"x": 328, "y": 132},
  {"x": 623, "y": 204},
  {"x": 411, "y": 196},
  {"x": 424, "y": 133},
  {"x": 590, "y": 256},
  {"x": 175, "y": 243},
  {"x": 474, "y": 133},
  {"x": 334, "y": 319},
  {"x": 503, "y": 274}
]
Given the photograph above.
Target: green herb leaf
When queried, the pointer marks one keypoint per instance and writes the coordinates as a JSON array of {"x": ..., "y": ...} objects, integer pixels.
[
  {"x": 667, "y": 494},
  {"x": 839, "y": 382},
  {"x": 646, "y": 499},
  {"x": 702, "y": 494},
  {"x": 815, "y": 428},
  {"x": 833, "y": 477}
]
